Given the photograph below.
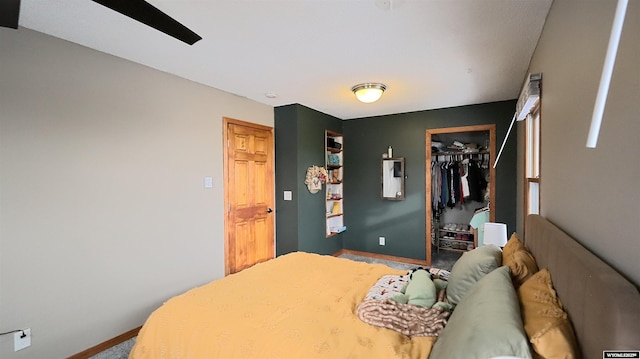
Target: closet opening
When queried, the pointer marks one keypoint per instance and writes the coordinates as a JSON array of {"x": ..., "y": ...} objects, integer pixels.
[{"x": 460, "y": 189}]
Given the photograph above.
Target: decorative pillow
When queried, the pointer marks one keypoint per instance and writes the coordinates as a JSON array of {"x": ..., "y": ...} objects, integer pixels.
[
  {"x": 486, "y": 323},
  {"x": 545, "y": 322},
  {"x": 387, "y": 286},
  {"x": 472, "y": 266},
  {"x": 513, "y": 244},
  {"x": 522, "y": 265}
]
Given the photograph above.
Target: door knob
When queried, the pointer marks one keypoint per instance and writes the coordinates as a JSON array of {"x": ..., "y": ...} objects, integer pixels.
[{"x": 269, "y": 210}]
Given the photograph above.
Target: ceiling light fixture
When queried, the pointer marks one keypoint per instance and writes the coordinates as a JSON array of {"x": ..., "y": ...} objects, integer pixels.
[{"x": 369, "y": 92}]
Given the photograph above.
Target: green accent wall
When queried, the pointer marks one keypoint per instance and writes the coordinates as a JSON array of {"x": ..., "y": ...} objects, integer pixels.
[
  {"x": 403, "y": 223},
  {"x": 299, "y": 141}
]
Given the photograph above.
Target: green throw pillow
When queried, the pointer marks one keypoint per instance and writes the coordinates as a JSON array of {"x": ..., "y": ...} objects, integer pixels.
[
  {"x": 486, "y": 323},
  {"x": 472, "y": 266}
]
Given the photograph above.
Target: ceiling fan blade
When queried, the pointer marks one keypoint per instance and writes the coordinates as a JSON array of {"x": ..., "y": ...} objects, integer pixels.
[
  {"x": 147, "y": 14},
  {"x": 9, "y": 13}
]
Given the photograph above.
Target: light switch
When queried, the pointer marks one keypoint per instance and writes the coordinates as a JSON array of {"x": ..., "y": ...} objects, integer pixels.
[
  {"x": 288, "y": 195},
  {"x": 208, "y": 182}
]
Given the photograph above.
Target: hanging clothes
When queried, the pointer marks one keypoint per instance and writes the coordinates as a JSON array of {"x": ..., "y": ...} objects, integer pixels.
[
  {"x": 464, "y": 179},
  {"x": 454, "y": 183},
  {"x": 436, "y": 186},
  {"x": 444, "y": 192},
  {"x": 451, "y": 198},
  {"x": 477, "y": 182},
  {"x": 477, "y": 222}
]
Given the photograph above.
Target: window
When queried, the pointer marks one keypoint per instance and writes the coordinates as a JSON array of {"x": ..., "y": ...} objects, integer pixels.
[{"x": 532, "y": 163}]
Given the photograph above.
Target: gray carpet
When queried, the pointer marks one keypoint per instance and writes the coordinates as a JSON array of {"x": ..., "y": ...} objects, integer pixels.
[
  {"x": 442, "y": 260},
  {"x": 120, "y": 351}
]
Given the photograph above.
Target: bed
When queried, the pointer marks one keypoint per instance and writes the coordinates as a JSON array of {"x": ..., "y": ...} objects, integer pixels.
[
  {"x": 303, "y": 305},
  {"x": 603, "y": 306}
]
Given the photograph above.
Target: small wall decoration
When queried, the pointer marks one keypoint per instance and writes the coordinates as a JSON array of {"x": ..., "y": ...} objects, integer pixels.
[{"x": 316, "y": 176}]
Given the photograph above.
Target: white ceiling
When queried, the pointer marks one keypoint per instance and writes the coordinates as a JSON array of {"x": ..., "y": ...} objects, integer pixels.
[{"x": 429, "y": 53}]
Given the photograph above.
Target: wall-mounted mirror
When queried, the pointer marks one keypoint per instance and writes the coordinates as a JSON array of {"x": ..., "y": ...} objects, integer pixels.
[{"x": 393, "y": 178}]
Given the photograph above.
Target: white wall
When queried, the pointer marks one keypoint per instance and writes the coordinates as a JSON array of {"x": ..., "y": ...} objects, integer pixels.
[
  {"x": 103, "y": 214},
  {"x": 593, "y": 194}
]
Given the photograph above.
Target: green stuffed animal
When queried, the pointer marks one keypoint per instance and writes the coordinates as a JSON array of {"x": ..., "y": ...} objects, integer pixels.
[{"x": 421, "y": 290}]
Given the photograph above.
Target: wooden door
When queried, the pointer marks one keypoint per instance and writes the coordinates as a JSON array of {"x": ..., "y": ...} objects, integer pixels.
[{"x": 249, "y": 191}]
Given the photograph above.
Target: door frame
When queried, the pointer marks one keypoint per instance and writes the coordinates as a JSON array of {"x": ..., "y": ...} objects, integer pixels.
[
  {"x": 226, "y": 121},
  {"x": 492, "y": 172}
]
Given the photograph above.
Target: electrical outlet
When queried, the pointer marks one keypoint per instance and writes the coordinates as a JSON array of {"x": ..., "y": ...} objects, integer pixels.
[
  {"x": 22, "y": 339},
  {"x": 381, "y": 241}
]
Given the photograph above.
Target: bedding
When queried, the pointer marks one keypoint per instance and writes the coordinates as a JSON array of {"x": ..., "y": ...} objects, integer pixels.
[
  {"x": 387, "y": 287},
  {"x": 513, "y": 244},
  {"x": 298, "y": 305},
  {"x": 519, "y": 260},
  {"x": 486, "y": 323},
  {"x": 471, "y": 266},
  {"x": 304, "y": 305},
  {"x": 545, "y": 322},
  {"x": 601, "y": 304},
  {"x": 407, "y": 319}
]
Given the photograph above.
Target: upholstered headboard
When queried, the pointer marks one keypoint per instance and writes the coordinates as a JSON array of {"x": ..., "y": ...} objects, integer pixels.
[{"x": 602, "y": 305}]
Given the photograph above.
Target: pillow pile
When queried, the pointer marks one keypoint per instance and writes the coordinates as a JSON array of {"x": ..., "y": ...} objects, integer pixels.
[
  {"x": 492, "y": 305},
  {"x": 545, "y": 322},
  {"x": 470, "y": 268},
  {"x": 486, "y": 323},
  {"x": 519, "y": 260}
]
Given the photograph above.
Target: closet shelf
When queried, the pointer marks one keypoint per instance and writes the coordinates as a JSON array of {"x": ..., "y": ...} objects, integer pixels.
[
  {"x": 454, "y": 231},
  {"x": 456, "y": 153},
  {"x": 448, "y": 239}
]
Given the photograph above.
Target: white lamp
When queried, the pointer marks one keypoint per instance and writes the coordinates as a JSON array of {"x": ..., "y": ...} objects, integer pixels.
[
  {"x": 369, "y": 92},
  {"x": 495, "y": 233}
]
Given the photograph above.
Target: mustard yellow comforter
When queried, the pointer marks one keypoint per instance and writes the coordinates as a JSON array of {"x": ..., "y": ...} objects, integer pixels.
[{"x": 298, "y": 305}]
